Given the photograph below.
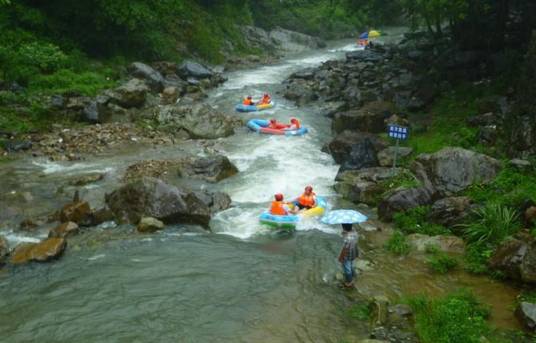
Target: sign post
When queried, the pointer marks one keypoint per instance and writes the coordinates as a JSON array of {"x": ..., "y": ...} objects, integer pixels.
[{"x": 398, "y": 133}]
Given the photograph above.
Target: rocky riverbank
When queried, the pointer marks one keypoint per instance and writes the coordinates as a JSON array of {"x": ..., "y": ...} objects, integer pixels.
[{"x": 385, "y": 85}]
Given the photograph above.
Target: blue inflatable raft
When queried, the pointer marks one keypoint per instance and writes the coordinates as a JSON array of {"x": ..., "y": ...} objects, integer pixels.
[
  {"x": 261, "y": 126},
  {"x": 290, "y": 221},
  {"x": 254, "y": 108}
]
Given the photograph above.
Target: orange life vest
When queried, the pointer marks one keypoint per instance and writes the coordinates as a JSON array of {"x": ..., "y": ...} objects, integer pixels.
[
  {"x": 247, "y": 102},
  {"x": 307, "y": 200},
  {"x": 266, "y": 100},
  {"x": 297, "y": 123},
  {"x": 278, "y": 209}
]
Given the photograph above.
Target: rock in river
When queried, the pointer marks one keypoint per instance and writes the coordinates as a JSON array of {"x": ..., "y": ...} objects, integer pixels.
[
  {"x": 131, "y": 94},
  {"x": 194, "y": 69},
  {"x": 452, "y": 170},
  {"x": 149, "y": 225},
  {"x": 64, "y": 230},
  {"x": 199, "y": 120},
  {"x": 370, "y": 118},
  {"x": 150, "y": 197},
  {"x": 4, "y": 249},
  {"x": 44, "y": 251},
  {"x": 212, "y": 169}
]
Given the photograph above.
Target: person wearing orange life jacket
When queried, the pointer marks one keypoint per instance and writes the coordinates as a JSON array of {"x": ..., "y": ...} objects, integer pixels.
[
  {"x": 294, "y": 124},
  {"x": 278, "y": 207},
  {"x": 275, "y": 125},
  {"x": 266, "y": 99},
  {"x": 307, "y": 200},
  {"x": 248, "y": 101}
]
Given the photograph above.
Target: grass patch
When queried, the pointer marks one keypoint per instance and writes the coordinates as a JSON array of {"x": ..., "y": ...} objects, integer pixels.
[
  {"x": 360, "y": 312},
  {"x": 493, "y": 223},
  {"x": 455, "y": 318},
  {"x": 415, "y": 221},
  {"x": 511, "y": 188},
  {"x": 398, "y": 244},
  {"x": 441, "y": 262},
  {"x": 476, "y": 258},
  {"x": 87, "y": 83}
]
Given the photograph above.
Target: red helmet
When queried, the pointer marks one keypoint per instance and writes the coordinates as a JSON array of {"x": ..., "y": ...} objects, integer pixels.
[
  {"x": 279, "y": 197},
  {"x": 266, "y": 94},
  {"x": 309, "y": 189},
  {"x": 249, "y": 96},
  {"x": 273, "y": 120},
  {"x": 293, "y": 120}
]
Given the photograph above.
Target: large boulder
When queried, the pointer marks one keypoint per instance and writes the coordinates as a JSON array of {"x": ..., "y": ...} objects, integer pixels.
[
  {"x": 153, "y": 78},
  {"x": 150, "y": 197},
  {"x": 355, "y": 150},
  {"x": 216, "y": 202},
  {"x": 516, "y": 258},
  {"x": 131, "y": 94},
  {"x": 369, "y": 118},
  {"x": 404, "y": 199},
  {"x": 526, "y": 313},
  {"x": 452, "y": 170},
  {"x": 451, "y": 211},
  {"x": 212, "y": 168},
  {"x": 198, "y": 120},
  {"x": 44, "y": 251},
  {"x": 193, "y": 69}
]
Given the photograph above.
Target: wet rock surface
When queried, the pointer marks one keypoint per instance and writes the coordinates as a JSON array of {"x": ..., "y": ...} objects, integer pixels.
[
  {"x": 4, "y": 250},
  {"x": 404, "y": 199},
  {"x": 44, "y": 251},
  {"x": 212, "y": 169},
  {"x": 149, "y": 225},
  {"x": 64, "y": 230}
]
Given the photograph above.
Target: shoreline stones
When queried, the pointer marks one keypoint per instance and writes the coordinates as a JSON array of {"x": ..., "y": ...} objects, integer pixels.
[
  {"x": 149, "y": 225},
  {"x": 43, "y": 251}
]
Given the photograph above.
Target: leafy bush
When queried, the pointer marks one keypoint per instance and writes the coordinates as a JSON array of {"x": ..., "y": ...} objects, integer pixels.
[
  {"x": 398, "y": 244},
  {"x": 493, "y": 224},
  {"x": 415, "y": 221},
  {"x": 455, "y": 318},
  {"x": 442, "y": 263}
]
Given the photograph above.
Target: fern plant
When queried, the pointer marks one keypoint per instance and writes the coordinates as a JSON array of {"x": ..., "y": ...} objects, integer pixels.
[{"x": 492, "y": 225}]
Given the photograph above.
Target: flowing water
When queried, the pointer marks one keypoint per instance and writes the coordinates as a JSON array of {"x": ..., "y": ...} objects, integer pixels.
[{"x": 241, "y": 283}]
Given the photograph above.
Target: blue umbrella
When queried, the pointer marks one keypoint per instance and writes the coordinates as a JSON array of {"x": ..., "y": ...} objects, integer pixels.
[
  {"x": 343, "y": 217},
  {"x": 364, "y": 35}
]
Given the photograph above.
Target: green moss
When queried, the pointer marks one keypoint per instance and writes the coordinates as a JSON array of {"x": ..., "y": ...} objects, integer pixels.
[
  {"x": 398, "y": 244},
  {"x": 455, "y": 318}
]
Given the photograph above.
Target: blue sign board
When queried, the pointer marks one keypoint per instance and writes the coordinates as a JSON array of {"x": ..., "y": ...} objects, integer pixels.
[{"x": 398, "y": 132}]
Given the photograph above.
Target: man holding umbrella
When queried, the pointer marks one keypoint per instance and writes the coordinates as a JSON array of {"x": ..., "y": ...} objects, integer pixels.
[
  {"x": 349, "y": 250},
  {"x": 348, "y": 254}
]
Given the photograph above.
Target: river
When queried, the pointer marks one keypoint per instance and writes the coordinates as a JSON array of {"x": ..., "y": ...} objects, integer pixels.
[{"x": 240, "y": 283}]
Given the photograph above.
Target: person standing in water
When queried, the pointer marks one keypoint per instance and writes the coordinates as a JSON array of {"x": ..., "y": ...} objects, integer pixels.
[{"x": 348, "y": 254}]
